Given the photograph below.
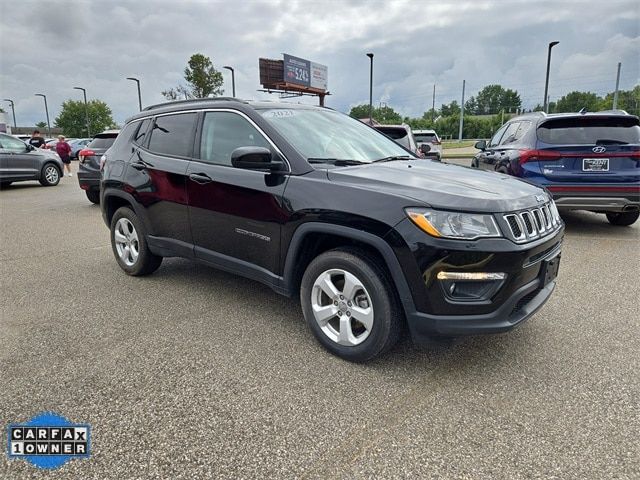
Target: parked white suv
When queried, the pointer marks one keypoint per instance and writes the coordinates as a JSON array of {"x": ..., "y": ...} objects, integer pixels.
[{"x": 431, "y": 138}]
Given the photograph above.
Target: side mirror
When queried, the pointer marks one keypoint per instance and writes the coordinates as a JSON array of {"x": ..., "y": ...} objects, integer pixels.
[
  {"x": 481, "y": 144},
  {"x": 30, "y": 148},
  {"x": 425, "y": 148},
  {"x": 255, "y": 158}
]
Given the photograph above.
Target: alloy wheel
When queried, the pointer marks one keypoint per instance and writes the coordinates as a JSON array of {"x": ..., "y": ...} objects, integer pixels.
[
  {"x": 126, "y": 239},
  {"x": 51, "y": 174}
]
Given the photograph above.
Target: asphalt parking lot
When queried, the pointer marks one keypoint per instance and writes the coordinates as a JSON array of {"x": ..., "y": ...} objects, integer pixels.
[{"x": 195, "y": 373}]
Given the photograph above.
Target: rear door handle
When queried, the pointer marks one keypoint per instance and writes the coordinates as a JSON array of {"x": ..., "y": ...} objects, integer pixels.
[{"x": 200, "y": 178}]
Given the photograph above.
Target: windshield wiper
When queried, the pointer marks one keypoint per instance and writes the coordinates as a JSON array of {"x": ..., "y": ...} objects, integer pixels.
[
  {"x": 339, "y": 162},
  {"x": 394, "y": 157},
  {"x": 607, "y": 141}
]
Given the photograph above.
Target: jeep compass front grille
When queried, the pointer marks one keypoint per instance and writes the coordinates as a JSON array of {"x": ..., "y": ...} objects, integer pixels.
[{"x": 532, "y": 223}]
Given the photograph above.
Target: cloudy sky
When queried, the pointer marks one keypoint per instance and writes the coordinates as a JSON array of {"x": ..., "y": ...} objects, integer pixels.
[{"x": 51, "y": 46}]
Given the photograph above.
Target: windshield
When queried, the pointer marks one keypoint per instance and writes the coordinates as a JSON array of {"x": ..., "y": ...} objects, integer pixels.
[
  {"x": 590, "y": 131},
  {"x": 326, "y": 134}
]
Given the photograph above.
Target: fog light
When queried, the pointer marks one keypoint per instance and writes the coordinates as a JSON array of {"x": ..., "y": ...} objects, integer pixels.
[
  {"x": 470, "y": 286},
  {"x": 477, "y": 276}
]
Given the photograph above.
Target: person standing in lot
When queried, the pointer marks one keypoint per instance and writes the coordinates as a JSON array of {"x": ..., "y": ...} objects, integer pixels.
[
  {"x": 36, "y": 139},
  {"x": 64, "y": 150}
]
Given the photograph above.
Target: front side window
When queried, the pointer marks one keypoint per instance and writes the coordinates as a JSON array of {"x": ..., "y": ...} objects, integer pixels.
[
  {"x": 173, "y": 134},
  {"x": 12, "y": 145},
  {"x": 496, "y": 138},
  {"x": 223, "y": 132},
  {"x": 326, "y": 134},
  {"x": 509, "y": 133},
  {"x": 141, "y": 134}
]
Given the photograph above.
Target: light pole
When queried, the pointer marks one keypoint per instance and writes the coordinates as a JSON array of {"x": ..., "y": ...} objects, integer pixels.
[
  {"x": 139, "y": 96},
  {"x": 86, "y": 108},
  {"x": 46, "y": 110},
  {"x": 233, "y": 80},
  {"x": 546, "y": 82},
  {"x": 13, "y": 110},
  {"x": 370, "y": 55}
]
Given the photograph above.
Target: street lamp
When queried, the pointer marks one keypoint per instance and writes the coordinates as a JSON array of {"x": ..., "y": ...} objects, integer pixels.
[
  {"x": 46, "y": 110},
  {"x": 233, "y": 80},
  {"x": 13, "y": 109},
  {"x": 546, "y": 83},
  {"x": 370, "y": 55},
  {"x": 139, "y": 96},
  {"x": 86, "y": 108}
]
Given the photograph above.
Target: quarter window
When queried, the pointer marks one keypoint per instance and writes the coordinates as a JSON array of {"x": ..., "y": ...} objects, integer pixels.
[
  {"x": 223, "y": 132},
  {"x": 173, "y": 134}
]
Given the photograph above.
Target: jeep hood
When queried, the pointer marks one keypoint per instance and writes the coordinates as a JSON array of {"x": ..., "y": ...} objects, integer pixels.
[{"x": 443, "y": 186}]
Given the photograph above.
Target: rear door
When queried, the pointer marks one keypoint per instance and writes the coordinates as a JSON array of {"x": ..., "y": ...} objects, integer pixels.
[
  {"x": 235, "y": 213},
  {"x": 157, "y": 173},
  {"x": 590, "y": 148}
]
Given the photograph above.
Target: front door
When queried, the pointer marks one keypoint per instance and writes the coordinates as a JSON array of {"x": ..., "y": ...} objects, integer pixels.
[
  {"x": 18, "y": 162},
  {"x": 235, "y": 213}
]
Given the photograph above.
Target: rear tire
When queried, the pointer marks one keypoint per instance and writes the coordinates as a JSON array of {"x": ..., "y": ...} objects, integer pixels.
[
  {"x": 622, "y": 219},
  {"x": 93, "y": 196},
  {"x": 367, "y": 295},
  {"x": 129, "y": 244},
  {"x": 50, "y": 175}
]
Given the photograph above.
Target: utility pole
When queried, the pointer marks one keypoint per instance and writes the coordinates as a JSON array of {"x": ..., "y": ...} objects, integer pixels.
[
  {"x": 461, "y": 113},
  {"x": 233, "y": 79},
  {"x": 139, "y": 95},
  {"x": 46, "y": 110},
  {"x": 615, "y": 95},
  {"x": 13, "y": 110},
  {"x": 86, "y": 108},
  {"x": 546, "y": 82},
  {"x": 433, "y": 104},
  {"x": 370, "y": 55}
]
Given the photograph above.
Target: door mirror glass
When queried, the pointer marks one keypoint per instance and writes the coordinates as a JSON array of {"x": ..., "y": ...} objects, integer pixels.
[
  {"x": 481, "y": 144},
  {"x": 255, "y": 158}
]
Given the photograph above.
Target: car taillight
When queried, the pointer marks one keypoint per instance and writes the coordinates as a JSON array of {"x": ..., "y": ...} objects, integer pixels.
[
  {"x": 85, "y": 153},
  {"x": 537, "y": 156},
  {"x": 436, "y": 142}
]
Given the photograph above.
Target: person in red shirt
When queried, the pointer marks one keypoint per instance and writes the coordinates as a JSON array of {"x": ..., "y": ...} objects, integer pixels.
[{"x": 64, "y": 150}]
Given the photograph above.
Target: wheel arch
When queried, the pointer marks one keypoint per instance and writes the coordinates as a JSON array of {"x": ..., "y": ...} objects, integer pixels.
[
  {"x": 313, "y": 238},
  {"x": 113, "y": 199}
]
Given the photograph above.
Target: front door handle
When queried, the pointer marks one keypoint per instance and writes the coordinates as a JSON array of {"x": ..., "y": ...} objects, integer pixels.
[
  {"x": 200, "y": 178},
  {"x": 139, "y": 165}
]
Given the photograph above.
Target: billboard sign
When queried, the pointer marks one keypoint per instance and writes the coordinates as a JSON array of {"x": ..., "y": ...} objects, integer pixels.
[
  {"x": 318, "y": 76},
  {"x": 297, "y": 70}
]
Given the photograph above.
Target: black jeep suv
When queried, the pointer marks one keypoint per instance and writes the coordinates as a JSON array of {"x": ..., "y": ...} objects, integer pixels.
[{"x": 314, "y": 203}]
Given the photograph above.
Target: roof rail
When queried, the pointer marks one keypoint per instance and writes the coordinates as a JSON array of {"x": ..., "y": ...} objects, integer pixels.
[
  {"x": 193, "y": 100},
  {"x": 539, "y": 113}
]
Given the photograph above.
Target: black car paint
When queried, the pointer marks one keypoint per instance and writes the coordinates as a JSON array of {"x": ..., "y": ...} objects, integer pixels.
[{"x": 256, "y": 223}]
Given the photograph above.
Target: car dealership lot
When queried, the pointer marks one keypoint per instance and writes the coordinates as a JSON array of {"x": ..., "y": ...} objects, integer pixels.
[{"x": 192, "y": 372}]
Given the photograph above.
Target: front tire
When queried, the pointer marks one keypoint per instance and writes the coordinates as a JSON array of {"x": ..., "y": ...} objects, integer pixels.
[
  {"x": 350, "y": 304},
  {"x": 129, "y": 244},
  {"x": 50, "y": 176},
  {"x": 623, "y": 219},
  {"x": 93, "y": 196}
]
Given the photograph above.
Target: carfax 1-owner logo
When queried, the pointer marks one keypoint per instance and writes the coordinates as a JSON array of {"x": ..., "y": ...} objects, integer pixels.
[{"x": 48, "y": 440}]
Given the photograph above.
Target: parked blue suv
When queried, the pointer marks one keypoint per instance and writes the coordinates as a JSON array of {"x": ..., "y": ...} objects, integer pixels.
[{"x": 587, "y": 161}]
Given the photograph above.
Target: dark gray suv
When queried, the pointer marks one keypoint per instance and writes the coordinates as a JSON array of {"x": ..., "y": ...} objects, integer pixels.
[{"x": 20, "y": 162}]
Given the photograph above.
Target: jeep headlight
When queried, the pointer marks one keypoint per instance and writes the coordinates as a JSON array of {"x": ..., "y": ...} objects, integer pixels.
[{"x": 458, "y": 225}]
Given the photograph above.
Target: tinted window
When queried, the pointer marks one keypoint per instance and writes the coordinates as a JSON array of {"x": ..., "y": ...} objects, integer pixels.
[
  {"x": 173, "y": 134},
  {"x": 399, "y": 135},
  {"x": 496, "y": 138},
  {"x": 11, "y": 144},
  {"x": 103, "y": 141},
  {"x": 223, "y": 132},
  {"x": 590, "y": 131},
  {"x": 425, "y": 137},
  {"x": 510, "y": 133},
  {"x": 141, "y": 134},
  {"x": 121, "y": 146}
]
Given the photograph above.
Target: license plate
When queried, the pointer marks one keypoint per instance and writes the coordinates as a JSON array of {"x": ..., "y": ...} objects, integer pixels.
[
  {"x": 595, "y": 164},
  {"x": 549, "y": 270}
]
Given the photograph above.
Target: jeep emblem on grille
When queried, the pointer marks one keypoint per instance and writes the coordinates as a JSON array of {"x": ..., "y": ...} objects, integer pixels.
[
  {"x": 599, "y": 149},
  {"x": 540, "y": 198}
]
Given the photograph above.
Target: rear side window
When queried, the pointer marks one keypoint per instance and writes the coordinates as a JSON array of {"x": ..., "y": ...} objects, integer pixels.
[
  {"x": 173, "y": 134},
  {"x": 590, "y": 131},
  {"x": 141, "y": 134},
  {"x": 103, "y": 141}
]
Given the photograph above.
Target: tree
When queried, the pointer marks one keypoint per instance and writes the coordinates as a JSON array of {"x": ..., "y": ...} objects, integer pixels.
[
  {"x": 384, "y": 115},
  {"x": 202, "y": 80},
  {"x": 72, "y": 118},
  {"x": 452, "y": 109},
  {"x": 575, "y": 101},
  {"x": 41, "y": 124},
  {"x": 493, "y": 99},
  {"x": 628, "y": 100}
]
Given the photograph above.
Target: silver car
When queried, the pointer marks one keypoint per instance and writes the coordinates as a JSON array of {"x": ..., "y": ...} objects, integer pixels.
[
  {"x": 20, "y": 162},
  {"x": 431, "y": 138}
]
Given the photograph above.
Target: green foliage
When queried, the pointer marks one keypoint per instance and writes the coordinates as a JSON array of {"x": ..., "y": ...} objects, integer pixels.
[
  {"x": 72, "y": 118},
  {"x": 574, "y": 101},
  {"x": 384, "y": 115},
  {"x": 493, "y": 99},
  {"x": 452, "y": 109},
  {"x": 202, "y": 80},
  {"x": 41, "y": 124}
]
